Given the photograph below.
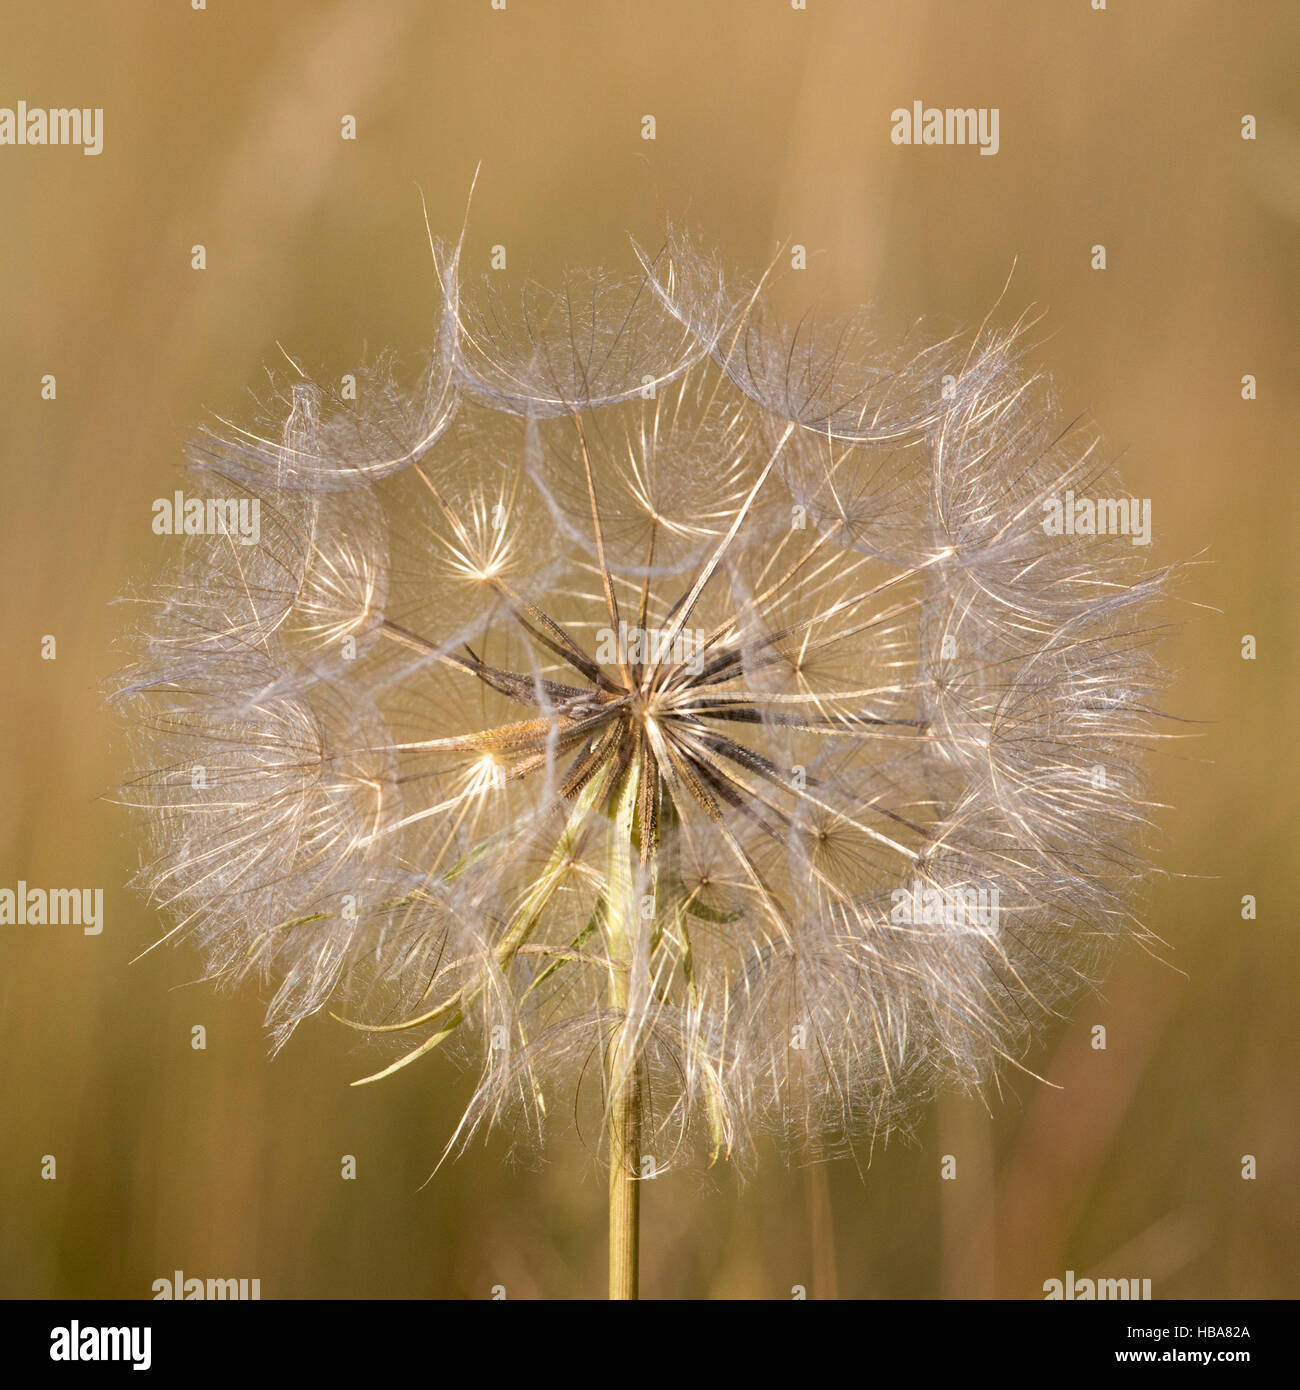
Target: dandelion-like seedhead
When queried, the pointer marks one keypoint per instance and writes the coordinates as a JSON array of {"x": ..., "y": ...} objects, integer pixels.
[{"x": 663, "y": 693}]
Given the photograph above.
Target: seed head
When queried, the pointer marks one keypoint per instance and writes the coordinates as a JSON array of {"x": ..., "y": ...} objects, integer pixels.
[{"x": 661, "y": 683}]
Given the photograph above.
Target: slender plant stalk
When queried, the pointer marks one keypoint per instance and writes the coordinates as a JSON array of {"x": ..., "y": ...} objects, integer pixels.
[
  {"x": 623, "y": 1099},
  {"x": 825, "y": 1281},
  {"x": 624, "y": 1193}
]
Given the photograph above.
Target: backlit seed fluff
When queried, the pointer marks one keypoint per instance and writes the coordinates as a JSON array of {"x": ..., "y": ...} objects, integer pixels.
[{"x": 659, "y": 672}]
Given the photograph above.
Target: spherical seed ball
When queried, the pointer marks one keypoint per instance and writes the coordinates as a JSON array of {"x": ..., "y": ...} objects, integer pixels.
[{"x": 659, "y": 691}]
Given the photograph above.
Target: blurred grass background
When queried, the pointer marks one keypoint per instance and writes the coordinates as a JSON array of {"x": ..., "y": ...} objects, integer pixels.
[{"x": 222, "y": 127}]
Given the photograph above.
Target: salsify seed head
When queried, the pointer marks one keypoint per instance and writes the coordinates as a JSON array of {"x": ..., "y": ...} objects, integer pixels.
[{"x": 658, "y": 694}]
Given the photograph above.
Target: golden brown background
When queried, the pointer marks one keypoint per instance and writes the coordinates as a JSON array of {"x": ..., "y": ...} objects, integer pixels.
[{"x": 223, "y": 127}]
